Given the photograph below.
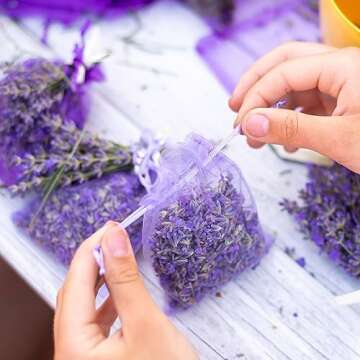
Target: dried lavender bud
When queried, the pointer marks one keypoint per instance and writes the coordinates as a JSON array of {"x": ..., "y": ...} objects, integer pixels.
[
  {"x": 329, "y": 214},
  {"x": 73, "y": 213},
  {"x": 203, "y": 239},
  {"x": 301, "y": 261}
]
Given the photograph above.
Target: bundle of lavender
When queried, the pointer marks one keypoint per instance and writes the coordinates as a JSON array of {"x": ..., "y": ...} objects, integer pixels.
[
  {"x": 202, "y": 230},
  {"x": 329, "y": 214},
  {"x": 43, "y": 148},
  {"x": 41, "y": 114},
  {"x": 78, "y": 180}
]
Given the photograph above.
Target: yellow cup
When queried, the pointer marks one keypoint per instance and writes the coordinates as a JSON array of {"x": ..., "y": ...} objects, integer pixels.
[{"x": 340, "y": 22}]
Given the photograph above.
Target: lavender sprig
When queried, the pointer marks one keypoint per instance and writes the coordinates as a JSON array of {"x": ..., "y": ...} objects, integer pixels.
[
  {"x": 93, "y": 158},
  {"x": 204, "y": 238},
  {"x": 72, "y": 214},
  {"x": 329, "y": 214}
]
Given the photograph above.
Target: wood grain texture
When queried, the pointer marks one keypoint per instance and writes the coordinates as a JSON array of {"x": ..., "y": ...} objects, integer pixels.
[{"x": 156, "y": 80}]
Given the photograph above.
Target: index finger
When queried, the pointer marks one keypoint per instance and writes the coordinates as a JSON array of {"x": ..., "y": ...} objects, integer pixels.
[
  {"x": 306, "y": 73},
  {"x": 275, "y": 57},
  {"x": 78, "y": 296}
]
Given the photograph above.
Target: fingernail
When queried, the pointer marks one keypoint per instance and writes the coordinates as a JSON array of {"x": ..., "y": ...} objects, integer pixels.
[
  {"x": 109, "y": 224},
  {"x": 117, "y": 242},
  {"x": 257, "y": 125}
]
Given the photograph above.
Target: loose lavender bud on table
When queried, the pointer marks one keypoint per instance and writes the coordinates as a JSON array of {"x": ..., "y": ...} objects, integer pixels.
[
  {"x": 74, "y": 213},
  {"x": 328, "y": 212}
]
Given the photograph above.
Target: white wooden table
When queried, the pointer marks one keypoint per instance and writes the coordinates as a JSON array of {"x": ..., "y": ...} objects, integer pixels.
[{"x": 280, "y": 310}]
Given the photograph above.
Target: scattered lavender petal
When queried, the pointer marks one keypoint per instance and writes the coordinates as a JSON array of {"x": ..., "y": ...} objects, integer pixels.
[
  {"x": 290, "y": 251},
  {"x": 301, "y": 261}
]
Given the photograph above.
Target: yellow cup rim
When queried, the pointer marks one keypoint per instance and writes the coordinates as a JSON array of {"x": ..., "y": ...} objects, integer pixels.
[{"x": 344, "y": 17}]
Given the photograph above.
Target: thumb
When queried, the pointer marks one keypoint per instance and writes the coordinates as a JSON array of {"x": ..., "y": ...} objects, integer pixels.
[
  {"x": 293, "y": 129},
  {"x": 132, "y": 301}
]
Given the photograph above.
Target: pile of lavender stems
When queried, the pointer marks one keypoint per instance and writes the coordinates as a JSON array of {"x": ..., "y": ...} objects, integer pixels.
[
  {"x": 74, "y": 213},
  {"x": 328, "y": 212}
]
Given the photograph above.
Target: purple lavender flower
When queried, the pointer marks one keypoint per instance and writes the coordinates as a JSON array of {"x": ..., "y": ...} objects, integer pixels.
[
  {"x": 73, "y": 213},
  {"x": 28, "y": 93},
  {"x": 329, "y": 214},
  {"x": 40, "y": 114},
  {"x": 204, "y": 238}
]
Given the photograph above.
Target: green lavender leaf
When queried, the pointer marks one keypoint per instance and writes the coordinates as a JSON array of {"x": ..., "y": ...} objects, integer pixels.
[{"x": 54, "y": 180}]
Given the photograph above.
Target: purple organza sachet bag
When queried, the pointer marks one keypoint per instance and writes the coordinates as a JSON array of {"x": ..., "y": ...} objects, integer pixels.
[{"x": 203, "y": 228}]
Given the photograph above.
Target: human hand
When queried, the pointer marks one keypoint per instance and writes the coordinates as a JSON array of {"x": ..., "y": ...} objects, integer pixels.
[
  {"x": 324, "y": 81},
  {"x": 82, "y": 332}
]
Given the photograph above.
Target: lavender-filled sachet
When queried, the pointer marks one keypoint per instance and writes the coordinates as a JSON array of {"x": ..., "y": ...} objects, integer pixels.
[
  {"x": 328, "y": 212},
  {"x": 203, "y": 228},
  {"x": 74, "y": 213}
]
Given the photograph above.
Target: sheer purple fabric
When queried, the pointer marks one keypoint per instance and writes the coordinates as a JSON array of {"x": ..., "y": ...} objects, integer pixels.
[
  {"x": 257, "y": 27},
  {"x": 67, "y": 11},
  {"x": 203, "y": 229}
]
